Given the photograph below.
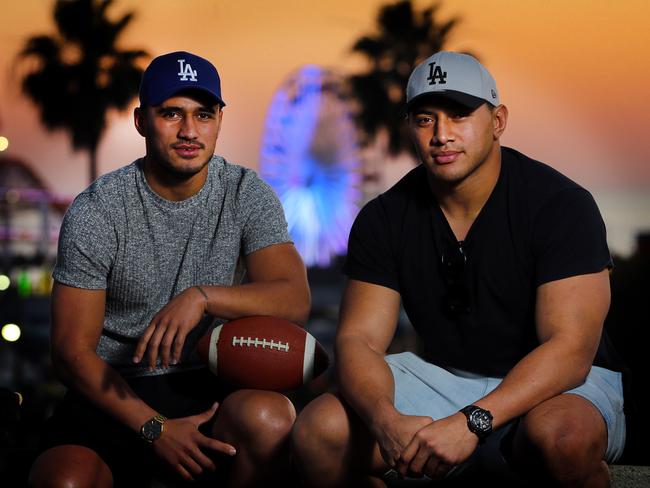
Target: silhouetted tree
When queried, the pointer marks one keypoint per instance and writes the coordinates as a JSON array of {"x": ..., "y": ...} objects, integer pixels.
[
  {"x": 405, "y": 38},
  {"x": 80, "y": 74}
]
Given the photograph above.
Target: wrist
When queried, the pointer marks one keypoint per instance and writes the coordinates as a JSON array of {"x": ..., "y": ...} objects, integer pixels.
[
  {"x": 479, "y": 421},
  {"x": 139, "y": 416},
  {"x": 383, "y": 417},
  {"x": 204, "y": 296},
  {"x": 153, "y": 428}
]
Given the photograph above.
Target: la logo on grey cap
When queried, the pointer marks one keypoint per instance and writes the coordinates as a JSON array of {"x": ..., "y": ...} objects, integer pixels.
[
  {"x": 436, "y": 74},
  {"x": 185, "y": 71}
]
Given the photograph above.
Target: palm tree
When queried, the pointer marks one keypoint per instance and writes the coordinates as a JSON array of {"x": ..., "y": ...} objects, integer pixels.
[
  {"x": 405, "y": 38},
  {"x": 79, "y": 74}
]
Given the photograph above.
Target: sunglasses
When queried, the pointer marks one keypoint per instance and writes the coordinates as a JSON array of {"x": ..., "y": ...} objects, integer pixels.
[{"x": 456, "y": 298}]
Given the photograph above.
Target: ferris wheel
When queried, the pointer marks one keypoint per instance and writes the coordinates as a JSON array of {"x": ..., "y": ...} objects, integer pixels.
[{"x": 310, "y": 157}]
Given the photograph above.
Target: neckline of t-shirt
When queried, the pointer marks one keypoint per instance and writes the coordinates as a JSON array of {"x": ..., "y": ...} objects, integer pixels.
[
  {"x": 190, "y": 202},
  {"x": 479, "y": 218}
]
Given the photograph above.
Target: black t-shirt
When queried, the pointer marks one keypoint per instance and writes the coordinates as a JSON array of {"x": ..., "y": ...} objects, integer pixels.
[{"x": 537, "y": 226}]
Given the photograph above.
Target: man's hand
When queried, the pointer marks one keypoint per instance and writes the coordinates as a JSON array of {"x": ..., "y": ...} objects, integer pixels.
[
  {"x": 181, "y": 442},
  {"x": 396, "y": 434},
  {"x": 166, "y": 333},
  {"x": 438, "y": 447}
]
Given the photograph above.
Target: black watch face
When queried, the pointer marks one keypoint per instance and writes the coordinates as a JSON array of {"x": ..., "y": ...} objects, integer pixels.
[
  {"x": 481, "y": 420},
  {"x": 151, "y": 430}
]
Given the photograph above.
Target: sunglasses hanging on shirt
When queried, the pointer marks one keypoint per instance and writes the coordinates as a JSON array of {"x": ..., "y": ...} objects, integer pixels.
[{"x": 456, "y": 298}]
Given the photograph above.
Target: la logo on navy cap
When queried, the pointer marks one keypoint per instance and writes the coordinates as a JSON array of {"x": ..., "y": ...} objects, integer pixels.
[{"x": 174, "y": 72}]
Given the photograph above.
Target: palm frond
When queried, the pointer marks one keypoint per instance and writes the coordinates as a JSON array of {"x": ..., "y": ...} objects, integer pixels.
[
  {"x": 405, "y": 38},
  {"x": 45, "y": 48},
  {"x": 76, "y": 94}
]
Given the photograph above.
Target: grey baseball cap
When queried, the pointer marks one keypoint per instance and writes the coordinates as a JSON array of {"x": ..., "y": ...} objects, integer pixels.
[{"x": 456, "y": 76}]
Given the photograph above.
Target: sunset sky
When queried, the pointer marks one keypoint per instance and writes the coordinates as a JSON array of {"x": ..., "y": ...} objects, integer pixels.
[{"x": 575, "y": 76}]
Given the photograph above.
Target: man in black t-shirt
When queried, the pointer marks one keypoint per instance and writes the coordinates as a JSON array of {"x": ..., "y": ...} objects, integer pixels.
[{"x": 502, "y": 266}]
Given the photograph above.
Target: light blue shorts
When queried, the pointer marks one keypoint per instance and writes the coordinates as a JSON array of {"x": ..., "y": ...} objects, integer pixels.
[{"x": 422, "y": 388}]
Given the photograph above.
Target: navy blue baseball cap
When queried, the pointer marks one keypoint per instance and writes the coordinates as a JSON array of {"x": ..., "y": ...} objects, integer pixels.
[{"x": 171, "y": 73}]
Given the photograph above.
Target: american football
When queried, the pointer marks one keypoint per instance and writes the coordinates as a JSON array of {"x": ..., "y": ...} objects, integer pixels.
[{"x": 265, "y": 353}]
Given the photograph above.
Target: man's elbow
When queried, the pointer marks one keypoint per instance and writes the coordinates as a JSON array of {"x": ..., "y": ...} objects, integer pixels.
[
  {"x": 63, "y": 366},
  {"x": 69, "y": 363},
  {"x": 353, "y": 342},
  {"x": 580, "y": 366},
  {"x": 582, "y": 371}
]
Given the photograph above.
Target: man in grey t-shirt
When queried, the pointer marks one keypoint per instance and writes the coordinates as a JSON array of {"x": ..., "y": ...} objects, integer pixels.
[{"x": 147, "y": 255}]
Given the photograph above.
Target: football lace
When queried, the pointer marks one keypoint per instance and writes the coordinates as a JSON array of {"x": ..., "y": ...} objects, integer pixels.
[{"x": 256, "y": 342}]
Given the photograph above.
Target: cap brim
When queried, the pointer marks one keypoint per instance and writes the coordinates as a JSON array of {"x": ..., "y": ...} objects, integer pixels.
[
  {"x": 184, "y": 88},
  {"x": 464, "y": 99}
]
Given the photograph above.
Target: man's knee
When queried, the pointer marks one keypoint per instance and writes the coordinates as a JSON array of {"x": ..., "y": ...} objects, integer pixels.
[
  {"x": 323, "y": 425},
  {"x": 251, "y": 415},
  {"x": 567, "y": 434},
  {"x": 69, "y": 467}
]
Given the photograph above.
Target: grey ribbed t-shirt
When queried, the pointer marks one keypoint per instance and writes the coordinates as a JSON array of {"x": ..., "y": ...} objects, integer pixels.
[{"x": 120, "y": 236}]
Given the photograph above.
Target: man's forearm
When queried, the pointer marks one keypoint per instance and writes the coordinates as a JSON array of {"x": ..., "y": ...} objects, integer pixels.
[
  {"x": 569, "y": 320},
  {"x": 97, "y": 381},
  {"x": 280, "y": 298},
  {"x": 547, "y": 371},
  {"x": 366, "y": 381}
]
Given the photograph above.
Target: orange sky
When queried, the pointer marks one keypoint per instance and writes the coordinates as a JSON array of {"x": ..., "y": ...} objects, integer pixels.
[{"x": 575, "y": 75}]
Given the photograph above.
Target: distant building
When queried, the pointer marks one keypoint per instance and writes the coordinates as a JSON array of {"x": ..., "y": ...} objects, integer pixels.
[{"x": 30, "y": 219}]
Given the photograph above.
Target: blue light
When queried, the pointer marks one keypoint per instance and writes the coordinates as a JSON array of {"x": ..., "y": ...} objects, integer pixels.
[{"x": 309, "y": 156}]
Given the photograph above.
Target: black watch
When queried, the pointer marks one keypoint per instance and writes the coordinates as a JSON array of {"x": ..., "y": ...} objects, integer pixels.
[
  {"x": 153, "y": 428},
  {"x": 479, "y": 421}
]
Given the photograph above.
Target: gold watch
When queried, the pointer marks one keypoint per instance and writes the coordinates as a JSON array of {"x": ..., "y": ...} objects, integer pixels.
[{"x": 153, "y": 428}]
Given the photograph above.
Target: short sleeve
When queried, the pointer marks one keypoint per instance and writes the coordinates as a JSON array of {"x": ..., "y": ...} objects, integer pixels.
[
  {"x": 369, "y": 257},
  {"x": 264, "y": 222},
  {"x": 569, "y": 237},
  {"x": 87, "y": 245}
]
